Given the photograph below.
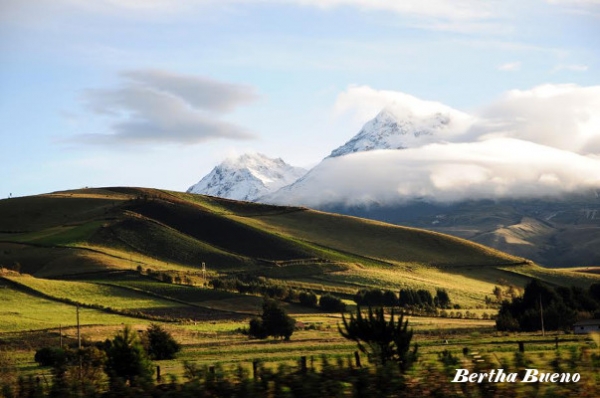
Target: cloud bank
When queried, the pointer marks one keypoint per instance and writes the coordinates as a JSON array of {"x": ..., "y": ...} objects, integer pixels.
[
  {"x": 529, "y": 143},
  {"x": 495, "y": 168},
  {"x": 155, "y": 106}
]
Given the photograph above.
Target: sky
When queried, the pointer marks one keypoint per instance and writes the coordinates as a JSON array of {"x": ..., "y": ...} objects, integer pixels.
[{"x": 155, "y": 93}]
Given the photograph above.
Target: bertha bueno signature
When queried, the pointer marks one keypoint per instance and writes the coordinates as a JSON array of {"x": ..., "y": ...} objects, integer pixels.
[{"x": 500, "y": 376}]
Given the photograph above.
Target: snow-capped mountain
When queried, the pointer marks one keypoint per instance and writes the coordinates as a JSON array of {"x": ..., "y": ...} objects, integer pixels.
[
  {"x": 247, "y": 177},
  {"x": 400, "y": 126}
]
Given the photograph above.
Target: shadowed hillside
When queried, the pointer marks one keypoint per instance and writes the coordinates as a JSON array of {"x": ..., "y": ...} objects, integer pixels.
[{"x": 109, "y": 234}]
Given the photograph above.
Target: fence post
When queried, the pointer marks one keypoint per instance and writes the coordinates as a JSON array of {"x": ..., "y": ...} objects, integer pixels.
[
  {"x": 255, "y": 369},
  {"x": 556, "y": 342},
  {"x": 521, "y": 346},
  {"x": 357, "y": 359},
  {"x": 303, "y": 364},
  {"x": 158, "y": 374}
]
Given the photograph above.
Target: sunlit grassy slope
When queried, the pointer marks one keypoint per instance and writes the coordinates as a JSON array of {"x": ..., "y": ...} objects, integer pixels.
[
  {"x": 23, "y": 311},
  {"x": 95, "y": 234}
]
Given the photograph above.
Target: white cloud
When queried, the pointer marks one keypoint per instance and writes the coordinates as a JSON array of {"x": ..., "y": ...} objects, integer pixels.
[
  {"x": 576, "y": 2},
  {"x": 161, "y": 106},
  {"x": 572, "y": 68},
  {"x": 584, "y": 7},
  {"x": 455, "y": 10},
  {"x": 495, "y": 168},
  {"x": 451, "y": 10},
  {"x": 510, "y": 67},
  {"x": 446, "y": 15},
  {"x": 364, "y": 102},
  {"x": 563, "y": 116}
]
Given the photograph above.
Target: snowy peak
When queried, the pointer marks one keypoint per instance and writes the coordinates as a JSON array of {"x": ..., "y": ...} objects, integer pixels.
[
  {"x": 403, "y": 126},
  {"x": 247, "y": 177}
]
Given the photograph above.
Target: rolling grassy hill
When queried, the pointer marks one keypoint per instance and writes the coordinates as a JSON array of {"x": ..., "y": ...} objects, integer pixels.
[{"x": 106, "y": 249}]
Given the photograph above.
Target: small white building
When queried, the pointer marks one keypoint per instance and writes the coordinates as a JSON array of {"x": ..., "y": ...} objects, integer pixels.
[{"x": 587, "y": 326}]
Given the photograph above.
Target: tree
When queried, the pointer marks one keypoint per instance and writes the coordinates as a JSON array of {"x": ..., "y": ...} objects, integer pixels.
[
  {"x": 380, "y": 339},
  {"x": 274, "y": 321},
  {"x": 50, "y": 356},
  {"x": 308, "y": 299},
  {"x": 498, "y": 293},
  {"x": 390, "y": 299},
  {"x": 561, "y": 307},
  {"x": 127, "y": 361},
  {"x": 161, "y": 345},
  {"x": 442, "y": 299},
  {"x": 327, "y": 302},
  {"x": 257, "y": 329}
]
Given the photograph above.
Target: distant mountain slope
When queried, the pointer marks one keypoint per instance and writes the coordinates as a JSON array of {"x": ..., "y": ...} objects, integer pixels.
[
  {"x": 247, "y": 177},
  {"x": 559, "y": 231}
]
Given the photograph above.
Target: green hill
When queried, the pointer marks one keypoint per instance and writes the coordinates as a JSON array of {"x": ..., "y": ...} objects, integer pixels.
[{"x": 105, "y": 240}]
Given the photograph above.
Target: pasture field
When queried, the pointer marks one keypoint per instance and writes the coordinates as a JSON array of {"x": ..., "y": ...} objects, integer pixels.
[
  {"x": 22, "y": 312},
  {"x": 221, "y": 343},
  {"x": 92, "y": 293}
]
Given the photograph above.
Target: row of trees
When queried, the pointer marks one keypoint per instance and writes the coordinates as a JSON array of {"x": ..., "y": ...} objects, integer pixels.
[
  {"x": 560, "y": 307},
  {"x": 407, "y": 298},
  {"x": 326, "y": 302}
]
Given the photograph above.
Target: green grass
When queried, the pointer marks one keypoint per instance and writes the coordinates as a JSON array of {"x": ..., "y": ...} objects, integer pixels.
[
  {"x": 21, "y": 311},
  {"x": 560, "y": 277},
  {"x": 94, "y": 294},
  {"x": 89, "y": 234},
  {"x": 62, "y": 235},
  {"x": 381, "y": 241},
  {"x": 185, "y": 293}
]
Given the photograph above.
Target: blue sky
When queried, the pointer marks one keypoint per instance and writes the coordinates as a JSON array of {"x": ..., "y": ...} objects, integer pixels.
[{"x": 155, "y": 93}]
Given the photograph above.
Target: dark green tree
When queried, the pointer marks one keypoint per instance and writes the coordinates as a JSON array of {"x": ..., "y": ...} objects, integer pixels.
[
  {"x": 127, "y": 360},
  {"x": 381, "y": 339},
  {"x": 390, "y": 299},
  {"x": 257, "y": 329},
  {"x": 442, "y": 299},
  {"x": 327, "y": 302},
  {"x": 308, "y": 299},
  {"x": 161, "y": 345},
  {"x": 276, "y": 321}
]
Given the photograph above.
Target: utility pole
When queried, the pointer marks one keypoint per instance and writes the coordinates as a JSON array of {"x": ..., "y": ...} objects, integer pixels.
[
  {"x": 78, "y": 330},
  {"x": 542, "y": 315},
  {"x": 61, "y": 342}
]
